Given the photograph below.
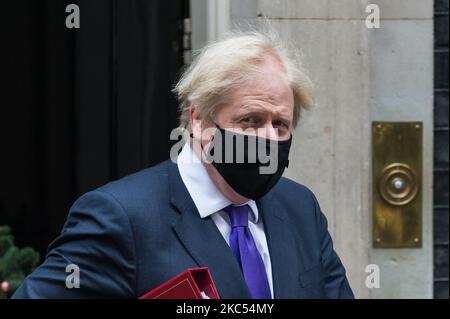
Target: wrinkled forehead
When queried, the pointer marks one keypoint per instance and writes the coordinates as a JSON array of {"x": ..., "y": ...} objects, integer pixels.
[{"x": 269, "y": 84}]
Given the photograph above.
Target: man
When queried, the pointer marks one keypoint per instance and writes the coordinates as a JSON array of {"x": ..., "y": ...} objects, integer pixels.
[{"x": 260, "y": 235}]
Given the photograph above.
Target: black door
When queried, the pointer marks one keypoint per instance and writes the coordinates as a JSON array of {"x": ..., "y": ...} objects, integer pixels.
[
  {"x": 81, "y": 107},
  {"x": 441, "y": 149}
]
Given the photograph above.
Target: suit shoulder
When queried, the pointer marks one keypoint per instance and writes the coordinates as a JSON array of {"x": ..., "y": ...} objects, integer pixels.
[
  {"x": 147, "y": 183},
  {"x": 145, "y": 177},
  {"x": 295, "y": 197},
  {"x": 291, "y": 188}
]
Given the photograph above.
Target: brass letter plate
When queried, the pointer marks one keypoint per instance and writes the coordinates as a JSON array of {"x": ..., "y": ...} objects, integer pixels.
[{"x": 396, "y": 184}]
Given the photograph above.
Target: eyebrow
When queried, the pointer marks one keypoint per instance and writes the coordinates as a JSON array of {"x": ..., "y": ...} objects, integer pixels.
[{"x": 255, "y": 108}]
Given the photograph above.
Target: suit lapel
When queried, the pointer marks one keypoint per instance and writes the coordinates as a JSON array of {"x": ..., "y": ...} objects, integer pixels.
[
  {"x": 204, "y": 242},
  {"x": 282, "y": 248}
]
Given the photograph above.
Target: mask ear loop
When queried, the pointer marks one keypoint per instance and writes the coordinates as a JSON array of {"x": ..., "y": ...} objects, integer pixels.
[{"x": 204, "y": 153}]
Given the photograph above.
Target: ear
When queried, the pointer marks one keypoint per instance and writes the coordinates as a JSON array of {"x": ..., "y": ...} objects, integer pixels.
[{"x": 195, "y": 121}]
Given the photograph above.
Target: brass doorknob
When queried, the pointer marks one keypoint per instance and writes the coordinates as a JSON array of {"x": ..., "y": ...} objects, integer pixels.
[{"x": 398, "y": 184}]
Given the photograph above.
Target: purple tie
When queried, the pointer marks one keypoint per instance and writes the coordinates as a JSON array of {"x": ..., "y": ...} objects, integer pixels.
[{"x": 244, "y": 248}]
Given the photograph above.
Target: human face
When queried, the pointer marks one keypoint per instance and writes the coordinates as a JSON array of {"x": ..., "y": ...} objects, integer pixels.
[{"x": 266, "y": 103}]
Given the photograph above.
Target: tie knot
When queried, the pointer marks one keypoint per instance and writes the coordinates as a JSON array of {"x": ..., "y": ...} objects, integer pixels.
[{"x": 238, "y": 215}]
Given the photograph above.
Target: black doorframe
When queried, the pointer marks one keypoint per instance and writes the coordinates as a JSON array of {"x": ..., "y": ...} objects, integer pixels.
[
  {"x": 83, "y": 106},
  {"x": 441, "y": 211}
]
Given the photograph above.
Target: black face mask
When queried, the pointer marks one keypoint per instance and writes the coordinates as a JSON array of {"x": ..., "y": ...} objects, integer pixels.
[{"x": 249, "y": 164}]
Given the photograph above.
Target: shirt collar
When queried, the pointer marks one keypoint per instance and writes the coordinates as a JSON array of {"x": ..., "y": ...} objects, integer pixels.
[{"x": 207, "y": 198}]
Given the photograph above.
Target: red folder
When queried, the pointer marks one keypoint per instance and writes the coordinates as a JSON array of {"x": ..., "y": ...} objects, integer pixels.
[{"x": 193, "y": 283}]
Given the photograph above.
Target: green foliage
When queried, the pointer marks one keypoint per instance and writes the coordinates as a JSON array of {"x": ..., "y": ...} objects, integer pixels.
[{"x": 15, "y": 263}]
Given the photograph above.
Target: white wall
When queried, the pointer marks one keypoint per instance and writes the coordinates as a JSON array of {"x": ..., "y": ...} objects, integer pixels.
[{"x": 402, "y": 90}]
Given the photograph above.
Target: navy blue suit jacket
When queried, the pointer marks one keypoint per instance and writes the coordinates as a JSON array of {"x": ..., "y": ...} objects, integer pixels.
[{"x": 132, "y": 235}]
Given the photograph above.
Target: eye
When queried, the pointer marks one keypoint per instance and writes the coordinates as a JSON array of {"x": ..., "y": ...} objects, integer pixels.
[
  {"x": 280, "y": 124},
  {"x": 250, "y": 120}
]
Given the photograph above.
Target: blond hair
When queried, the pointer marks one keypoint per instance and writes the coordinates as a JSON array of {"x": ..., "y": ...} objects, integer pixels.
[{"x": 228, "y": 63}]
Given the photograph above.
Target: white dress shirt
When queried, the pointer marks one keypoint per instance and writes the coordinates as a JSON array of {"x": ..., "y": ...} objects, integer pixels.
[{"x": 210, "y": 202}]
